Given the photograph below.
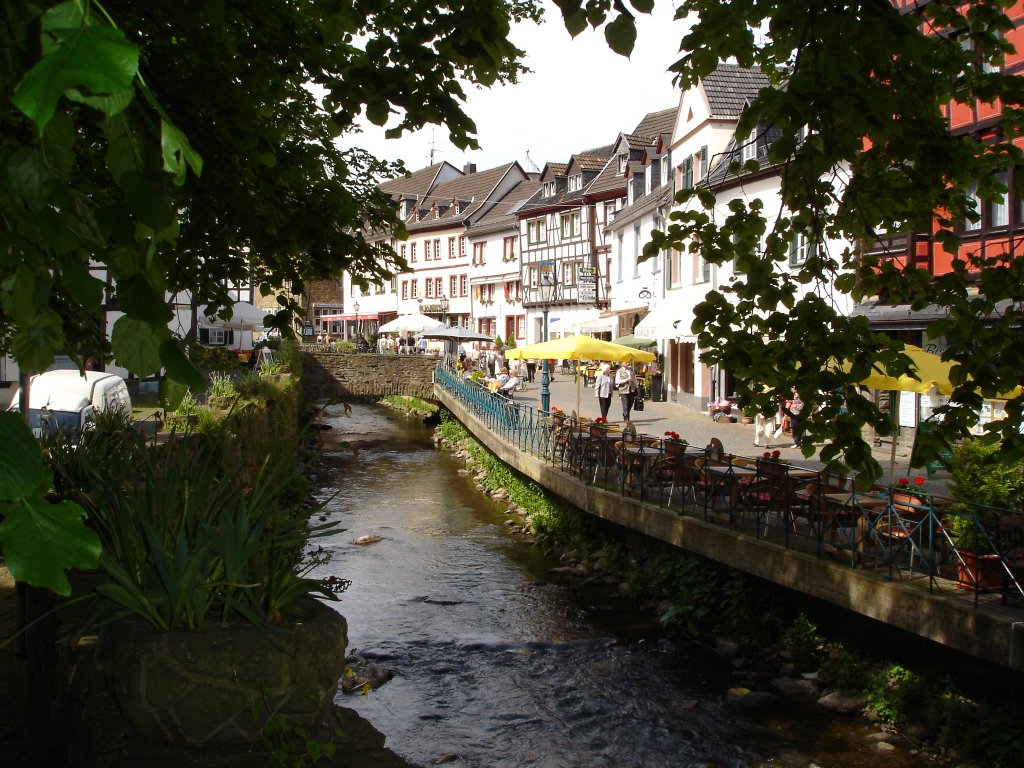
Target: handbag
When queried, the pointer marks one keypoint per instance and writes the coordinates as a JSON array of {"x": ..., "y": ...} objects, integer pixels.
[{"x": 638, "y": 404}]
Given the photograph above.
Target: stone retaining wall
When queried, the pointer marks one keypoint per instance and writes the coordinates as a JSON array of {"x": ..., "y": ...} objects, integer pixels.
[{"x": 352, "y": 374}]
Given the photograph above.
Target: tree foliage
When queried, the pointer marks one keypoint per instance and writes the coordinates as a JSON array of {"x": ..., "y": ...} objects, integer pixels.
[
  {"x": 858, "y": 109},
  {"x": 155, "y": 149}
]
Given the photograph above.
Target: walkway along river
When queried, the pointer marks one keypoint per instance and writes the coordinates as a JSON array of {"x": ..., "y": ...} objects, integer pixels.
[{"x": 500, "y": 662}]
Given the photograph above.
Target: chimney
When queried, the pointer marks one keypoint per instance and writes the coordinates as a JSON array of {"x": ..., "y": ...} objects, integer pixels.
[{"x": 469, "y": 168}]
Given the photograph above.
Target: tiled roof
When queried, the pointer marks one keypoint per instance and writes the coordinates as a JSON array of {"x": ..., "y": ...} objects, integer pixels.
[
  {"x": 654, "y": 125},
  {"x": 730, "y": 87},
  {"x": 557, "y": 169},
  {"x": 588, "y": 162},
  {"x": 416, "y": 184},
  {"x": 474, "y": 188}
]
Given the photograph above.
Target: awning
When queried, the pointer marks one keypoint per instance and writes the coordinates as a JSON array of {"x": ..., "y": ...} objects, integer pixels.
[
  {"x": 360, "y": 316},
  {"x": 668, "y": 320},
  {"x": 608, "y": 321}
]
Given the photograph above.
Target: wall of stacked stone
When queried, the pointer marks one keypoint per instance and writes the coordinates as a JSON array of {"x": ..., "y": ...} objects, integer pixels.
[{"x": 351, "y": 374}]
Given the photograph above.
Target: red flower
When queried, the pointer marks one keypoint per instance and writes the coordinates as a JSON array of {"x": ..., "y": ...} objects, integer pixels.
[
  {"x": 767, "y": 454},
  {"x": 672, "y": 435},
  {"x": 775, "y": 454},
  {"x": 903, "y": 481},
  {"x": 918, "y": 481},
  {"x": 600, "y": 420}
]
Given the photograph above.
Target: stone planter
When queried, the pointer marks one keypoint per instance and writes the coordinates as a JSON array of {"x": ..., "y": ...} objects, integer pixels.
[{"x": 219, "y": 685}]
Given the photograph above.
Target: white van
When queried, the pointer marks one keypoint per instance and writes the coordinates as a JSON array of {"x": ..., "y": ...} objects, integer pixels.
[{"x": 69, "y": 400}]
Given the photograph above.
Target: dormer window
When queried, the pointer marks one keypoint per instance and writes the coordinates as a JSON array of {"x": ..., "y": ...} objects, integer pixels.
[
  {"x": 549, "y": 189},
  {"x": 749, "y": 149},
  {"x": 576, "y": 182},
  {"x": 622, "y": 163}
]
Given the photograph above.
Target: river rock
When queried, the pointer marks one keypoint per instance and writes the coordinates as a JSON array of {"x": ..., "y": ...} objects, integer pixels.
[
  {"x": 727, "y": 649},
  {"x": 845, "y": 702},
  {"x": 370, "y": 538},
  {"x": 364, "y": 676},
  {"x": 745, "y": 697},
  {"x": 884, "y": 748},
  {"x": 795, "y": 688}
]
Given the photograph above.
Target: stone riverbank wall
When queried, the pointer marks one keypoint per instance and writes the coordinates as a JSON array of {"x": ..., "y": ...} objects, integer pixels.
[
  {"x": 352, "y": 374},
  {"x": 996, "y": 636}
]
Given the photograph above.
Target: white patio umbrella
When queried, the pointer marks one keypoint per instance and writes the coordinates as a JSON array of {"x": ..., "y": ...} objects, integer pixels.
[
  {"x": 244, "y": 317},
  {"x": 414, "y": 323}
]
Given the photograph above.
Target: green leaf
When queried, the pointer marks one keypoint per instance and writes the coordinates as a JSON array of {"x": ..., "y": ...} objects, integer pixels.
[
  {"x": 21, "y": 461},
  {"x": 147, "y": 201},
  {"x": 141, "y": 300},
  {"x": 95, "y": 58},
  {"x": 41, "y": 541},
  {"x": 136, "y": 345},
  {"x": 621, "y": 34},
  {"x": 178, "y": 153},
  {"x": 179, "y": 368}
]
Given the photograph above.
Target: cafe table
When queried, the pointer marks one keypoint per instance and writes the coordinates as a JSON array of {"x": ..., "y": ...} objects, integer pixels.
[{"x": 860, "y": 509}]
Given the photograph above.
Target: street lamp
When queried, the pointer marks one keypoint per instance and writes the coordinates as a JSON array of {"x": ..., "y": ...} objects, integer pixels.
[
  {"x": 547, "y": 293},
  {"x": 355, "y": 308},
  {"x": 443, "y": 301}
]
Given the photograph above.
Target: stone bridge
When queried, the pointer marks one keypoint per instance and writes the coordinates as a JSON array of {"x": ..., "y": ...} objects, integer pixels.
[{"x": 354, "y": 374}]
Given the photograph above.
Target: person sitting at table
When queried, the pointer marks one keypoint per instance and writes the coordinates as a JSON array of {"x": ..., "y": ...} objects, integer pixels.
[
  {"x": 508, "y": 387},
  {"x": 502, "y": 376}
]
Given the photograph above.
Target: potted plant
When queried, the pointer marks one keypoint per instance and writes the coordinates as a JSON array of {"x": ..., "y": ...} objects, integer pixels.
[
  {"x": 981, "y": 492},
  {"x": 203, "y": 600}
]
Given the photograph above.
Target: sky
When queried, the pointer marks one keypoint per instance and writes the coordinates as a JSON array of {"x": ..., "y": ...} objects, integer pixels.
[{"x": 580, "y": 95}]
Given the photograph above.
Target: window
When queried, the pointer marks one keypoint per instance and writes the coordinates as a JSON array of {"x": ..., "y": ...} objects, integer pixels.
[
  {"x": 800, "y": 249},
  {"x": 749, "y": 149},
  {"x": 478, "y": 254},
  {"x": 463, "y": 285},
  {"x": 569, "y": 269},
  {"x": 401, "y": 251},
  {"x": 576, "y": 182},
  {"x": 520, "y": 326},
  {"x": 535, "y": 231},
  {"x": 462, "y": 245},
  {"x": 972, "y": 193},
  {"x": 429, "y": 288},
  {"x": 405, "y": 289},
  {"x": 571, "y": 224},
  {"x": 703, "y": 161},
  {"x": 508, "y": 249},
  {"x": 549, "y": 189},
  {"x": 636, "y": 250},
  {"x": 217, "y": 337},
  {"x": 999, "y": 208},
  {"x": 451, "y": 248},
  {"x": 609, "y": 212},
  {"x": 414, "y": 291},
  {"x": 412, "y": 252},
  {"x": 453, "y": 285},
  {"x": 439, "y": 287},
  {"x": 686, "y": 174},
  {"x": 437, "y": 249},
  {"x": 622, "y": 163}
]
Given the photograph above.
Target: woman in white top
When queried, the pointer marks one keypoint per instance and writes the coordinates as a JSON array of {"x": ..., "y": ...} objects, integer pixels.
[
  {"x": 626, "y": 385},
  {"x": 603, "y": 388}
]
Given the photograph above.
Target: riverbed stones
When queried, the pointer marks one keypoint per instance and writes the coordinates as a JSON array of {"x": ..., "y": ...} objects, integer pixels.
[
  {"x": 744, "y": 697},
  {"x": 844, "y": 702},
  {"x": 370, "y": 538},
  {"x": 796, "y": 688}
]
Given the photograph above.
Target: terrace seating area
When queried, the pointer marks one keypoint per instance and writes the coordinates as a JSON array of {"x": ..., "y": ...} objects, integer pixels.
[{"x": 900, "y": 532}]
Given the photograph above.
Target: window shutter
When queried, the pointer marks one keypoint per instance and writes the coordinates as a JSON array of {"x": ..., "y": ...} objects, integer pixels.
[{"x": 204, "y": 335}]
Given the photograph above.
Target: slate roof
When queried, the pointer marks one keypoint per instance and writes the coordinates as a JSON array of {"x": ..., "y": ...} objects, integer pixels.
[
  {"x": 416, "y": 184},
  {"x": 730, "y": 87},
  {"x": 646, "y": 133},
  {"x": 503, "y": 215},
  {"x": 473, "y": 188},
  {"x": 640, "y": 206}
]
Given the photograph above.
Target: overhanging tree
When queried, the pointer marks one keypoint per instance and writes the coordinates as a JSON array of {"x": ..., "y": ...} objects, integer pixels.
[
  {"x": 858, "y": 96},
  {"x": 178, "y": 147}
]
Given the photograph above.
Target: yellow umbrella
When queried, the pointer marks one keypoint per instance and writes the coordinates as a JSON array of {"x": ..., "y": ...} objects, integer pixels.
[
  {"x": 580, "y": 348},
  {"x": 932, "y": 371}
]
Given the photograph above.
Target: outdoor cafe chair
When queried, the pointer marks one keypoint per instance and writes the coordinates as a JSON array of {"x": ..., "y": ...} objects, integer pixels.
[{"x": 907, "y": 522}]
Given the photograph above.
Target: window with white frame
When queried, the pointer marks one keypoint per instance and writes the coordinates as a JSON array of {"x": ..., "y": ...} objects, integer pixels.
[
  {"x": 478, "y": 253},
  {"x": 412, "y": 252},
  {"x": 548, "y": 189},
  {"x": 439, "y": 287},
  {"x": 463, "y": 285},
  {"x": 414, "y": 289},
  {"x": 402, "y": 251},
  {"x": 453, "y": 285},
  {"x": 462, "y": 245},
  {"x": 801, "y": 248},
  {"x": 535, "y": 231},
  {"x": 508, "y": 248},
  {"x": 576, "y": 182},
  {"x": 429, "y": 288},
  {"x": 622, "y": 163},
  {"x": 999, "y": 207},
  {"x": 749, "y": 149},
  {"x": 405, "y": 289},
  {"x": 636, "y": 250},
  {"x": 569, "y": 272},
  {"x": 609, "y": 212},
  {"x": 571, "y": 224},
  {"x": 451, "y": 247},
  {"x": 437, "y": 249}
]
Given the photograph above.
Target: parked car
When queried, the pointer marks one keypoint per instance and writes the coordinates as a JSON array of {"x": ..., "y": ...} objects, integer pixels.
[{"x": 69, "y": 400}]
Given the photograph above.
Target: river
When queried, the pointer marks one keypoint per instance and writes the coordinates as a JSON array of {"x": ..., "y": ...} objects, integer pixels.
[{"x": 499, "y": 662}]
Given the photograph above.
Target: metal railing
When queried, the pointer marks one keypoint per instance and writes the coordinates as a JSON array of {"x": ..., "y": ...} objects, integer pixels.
[{"x": 899, "y": 532}]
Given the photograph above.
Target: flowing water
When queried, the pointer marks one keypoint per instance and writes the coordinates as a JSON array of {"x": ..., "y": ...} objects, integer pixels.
[{"x": 499, "y": 662}]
